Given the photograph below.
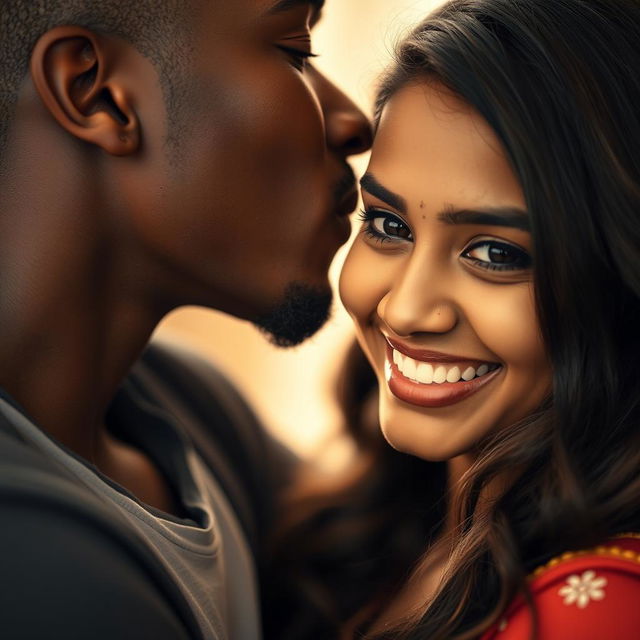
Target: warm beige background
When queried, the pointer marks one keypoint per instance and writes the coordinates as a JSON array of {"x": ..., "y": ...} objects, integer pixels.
[{"x": 291, "y": 389}]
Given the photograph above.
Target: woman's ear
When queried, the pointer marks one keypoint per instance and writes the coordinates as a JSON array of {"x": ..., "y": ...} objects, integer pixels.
[{"x": 77, "y": 77}]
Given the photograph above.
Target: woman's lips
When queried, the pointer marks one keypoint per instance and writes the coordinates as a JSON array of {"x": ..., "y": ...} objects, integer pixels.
[{"x": 434, "y": 394}]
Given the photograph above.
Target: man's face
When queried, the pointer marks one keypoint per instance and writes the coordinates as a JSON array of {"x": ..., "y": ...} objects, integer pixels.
[{"x": 256, "y": 197}]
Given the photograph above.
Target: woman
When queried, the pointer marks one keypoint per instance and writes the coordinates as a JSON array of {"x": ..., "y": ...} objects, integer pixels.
[{"x": 495, "y": 286}]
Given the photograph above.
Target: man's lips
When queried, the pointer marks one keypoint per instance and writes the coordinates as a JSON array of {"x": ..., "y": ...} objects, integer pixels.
[
  {"x": 345, "y": 192},
  {"x": 442, "y": 392},
  {"x": 344, "y": 206},
  {"x": 348, "y": 203}
]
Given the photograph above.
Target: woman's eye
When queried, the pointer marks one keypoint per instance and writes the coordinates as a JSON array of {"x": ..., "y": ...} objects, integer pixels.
[
  {"x": 498, "y": 256},
  {"x": 299, "y": 57},
  {"x": 384, "y": 226}
]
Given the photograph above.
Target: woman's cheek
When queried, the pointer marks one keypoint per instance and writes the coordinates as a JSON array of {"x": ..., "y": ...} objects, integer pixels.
[
  {"x": 508, "y": 326},
  {"x": 362, "y": 281}
]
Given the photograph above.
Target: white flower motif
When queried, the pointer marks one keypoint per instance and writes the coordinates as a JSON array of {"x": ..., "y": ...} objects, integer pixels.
[{"x": 581, "y": 590}]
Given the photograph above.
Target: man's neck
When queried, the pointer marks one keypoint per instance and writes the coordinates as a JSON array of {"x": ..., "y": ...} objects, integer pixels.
[
  {"x": 73, "y": 312},
  {"x": 66, "y": 364},
  {"x": 79, "y": 299}
]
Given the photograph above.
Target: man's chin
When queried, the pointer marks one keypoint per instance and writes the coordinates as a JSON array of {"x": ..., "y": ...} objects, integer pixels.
[{"x": 302, "y": 311}]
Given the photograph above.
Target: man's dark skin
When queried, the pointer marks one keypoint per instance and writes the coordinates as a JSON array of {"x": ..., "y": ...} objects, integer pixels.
[{"x": 105, "y": 228}]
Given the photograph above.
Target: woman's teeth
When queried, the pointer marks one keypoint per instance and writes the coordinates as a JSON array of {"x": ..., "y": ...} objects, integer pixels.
[{"x": 426, "y": 373}]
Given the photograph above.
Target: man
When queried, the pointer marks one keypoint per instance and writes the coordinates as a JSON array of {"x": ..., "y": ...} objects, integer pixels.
[{"x": 153, "y": 154}]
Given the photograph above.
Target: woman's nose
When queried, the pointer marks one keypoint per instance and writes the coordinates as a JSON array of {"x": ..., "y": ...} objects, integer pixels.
[{"x": 418, "y": 304}]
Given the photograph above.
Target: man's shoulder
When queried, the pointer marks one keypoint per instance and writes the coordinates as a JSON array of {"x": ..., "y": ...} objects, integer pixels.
[
  {"x": 69, "y": 561},
  {"x": 209, "y": 404},
  {"x": 171, "y": 376},
  {"x": 249, "y": 464},
  {"x": 27, "y": 472},
  {"x": 67, "y": 568}
]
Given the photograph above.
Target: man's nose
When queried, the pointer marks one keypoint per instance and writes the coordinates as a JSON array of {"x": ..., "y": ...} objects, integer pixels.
[{"x": 348, "y": 129}]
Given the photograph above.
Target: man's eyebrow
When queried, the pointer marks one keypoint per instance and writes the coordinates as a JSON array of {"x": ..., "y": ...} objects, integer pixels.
[
  {"x": 512, "y": 217},
  {"x": 372, "y": 186},
  {"x": 286, "y": 5}
]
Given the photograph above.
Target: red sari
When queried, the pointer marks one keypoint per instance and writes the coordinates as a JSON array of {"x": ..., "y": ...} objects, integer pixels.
[{"x": 581, "y": 595}]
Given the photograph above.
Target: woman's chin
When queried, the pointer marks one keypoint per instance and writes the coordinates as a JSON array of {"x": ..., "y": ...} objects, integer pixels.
[{"x": 430, "y": 447}]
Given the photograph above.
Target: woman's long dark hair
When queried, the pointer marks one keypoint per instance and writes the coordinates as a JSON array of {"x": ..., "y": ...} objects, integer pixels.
[{"x": 558, "y": 82}]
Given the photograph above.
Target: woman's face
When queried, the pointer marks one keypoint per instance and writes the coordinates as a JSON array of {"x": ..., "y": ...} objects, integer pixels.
[{"x": 439, "y": 279}]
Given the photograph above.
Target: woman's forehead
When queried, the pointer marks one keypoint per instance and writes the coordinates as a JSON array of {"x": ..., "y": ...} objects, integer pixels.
[{"x": 433, "y": 146}]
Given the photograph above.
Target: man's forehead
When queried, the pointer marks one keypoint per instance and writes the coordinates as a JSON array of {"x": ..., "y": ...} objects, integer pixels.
[{"x": 277, "y": 6}]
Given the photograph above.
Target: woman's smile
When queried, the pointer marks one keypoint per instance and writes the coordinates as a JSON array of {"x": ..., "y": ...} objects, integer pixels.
[{"x": 432, "y": 379}]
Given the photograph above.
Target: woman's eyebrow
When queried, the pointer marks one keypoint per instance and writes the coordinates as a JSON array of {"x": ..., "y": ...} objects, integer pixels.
[
  {"x": 287, "y": 5},
  {"x": 369, "y": 183},
  {"x": 512, "y": 217}
]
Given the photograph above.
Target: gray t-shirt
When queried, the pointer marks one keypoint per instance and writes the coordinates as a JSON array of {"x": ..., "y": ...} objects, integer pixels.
[{"x": 206, "y": 553}]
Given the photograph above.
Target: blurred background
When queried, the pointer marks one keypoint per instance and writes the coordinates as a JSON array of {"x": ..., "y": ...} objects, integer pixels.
[{"x": 293, "y": 390}]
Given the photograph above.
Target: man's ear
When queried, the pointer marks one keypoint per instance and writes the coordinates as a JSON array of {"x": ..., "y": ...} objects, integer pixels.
[{"x": 75, "y": 72}]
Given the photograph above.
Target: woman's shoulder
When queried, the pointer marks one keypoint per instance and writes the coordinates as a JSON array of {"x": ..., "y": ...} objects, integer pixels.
[{"x": 592, "y": 594}]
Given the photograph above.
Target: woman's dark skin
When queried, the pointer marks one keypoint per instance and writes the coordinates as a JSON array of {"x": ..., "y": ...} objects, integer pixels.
[{"x": 105, "y": 229}]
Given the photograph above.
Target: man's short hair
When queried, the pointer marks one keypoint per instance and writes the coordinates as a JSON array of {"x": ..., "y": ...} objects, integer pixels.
[{"x": 159, "y": 29}]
